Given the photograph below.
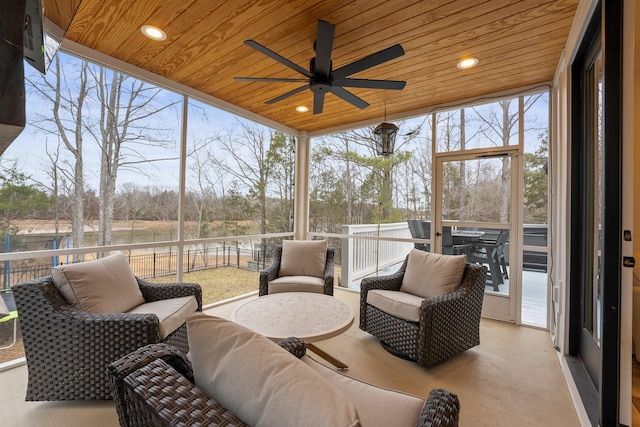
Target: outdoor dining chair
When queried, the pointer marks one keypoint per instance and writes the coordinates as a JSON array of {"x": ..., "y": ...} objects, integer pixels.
[
  {"x": 492, "y": 254},
  {"x": 448, "y": 246},
  {"x": 420, "y": 230}
]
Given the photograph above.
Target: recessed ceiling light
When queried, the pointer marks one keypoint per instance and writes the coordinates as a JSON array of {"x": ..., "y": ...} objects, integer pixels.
[
  {"x": 302, "y": 109},
  {"x": 154, "y": 33},
  {"x": 468, "y": 63}
]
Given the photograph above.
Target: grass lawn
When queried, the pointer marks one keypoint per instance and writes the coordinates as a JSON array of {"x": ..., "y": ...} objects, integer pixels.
[{"x": 219, "y": 283}]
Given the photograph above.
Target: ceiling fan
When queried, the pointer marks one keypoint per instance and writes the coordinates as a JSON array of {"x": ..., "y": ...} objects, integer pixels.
[{"x": 321, "y": 78}]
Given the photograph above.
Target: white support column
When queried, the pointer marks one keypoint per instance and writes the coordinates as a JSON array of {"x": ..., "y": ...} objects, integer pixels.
[
  {"x": 301, "y": 193},
  {"x": 182, "y": 186}
]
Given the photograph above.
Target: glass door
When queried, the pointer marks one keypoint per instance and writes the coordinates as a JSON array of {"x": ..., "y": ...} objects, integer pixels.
[{"x": 475, "y": 216}]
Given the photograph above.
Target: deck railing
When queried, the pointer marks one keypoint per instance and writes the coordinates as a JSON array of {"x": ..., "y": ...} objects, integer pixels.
[{"x": 365, "y": 253}]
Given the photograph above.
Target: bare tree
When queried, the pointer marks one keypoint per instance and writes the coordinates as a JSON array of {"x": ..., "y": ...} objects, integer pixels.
[
  {"x": 120, "y": 126},
  {"x": 500, "y": 126},
  {"x": 206, "y": 177},
  {"x": 126, "y": 109},
  {"x": 69, "y": 116},
  {"x": 246, "y": 160},
  {"x": 281, "y": 157}
]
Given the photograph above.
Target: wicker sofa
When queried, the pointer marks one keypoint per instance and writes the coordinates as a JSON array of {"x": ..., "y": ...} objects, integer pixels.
[
  {"x": 68, "y": 349},
  {"x": 154, "y": 386},
  {"x": 446, "y": 325}
]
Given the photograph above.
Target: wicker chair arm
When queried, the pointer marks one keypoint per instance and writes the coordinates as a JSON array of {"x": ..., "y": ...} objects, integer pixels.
[
  {"x": 144, "y": 355},
  {"x": 439, "y": 337},
  {"x": 161, "y": 396},
  {"x": 104, "y": 321},
  {"x": 442, "y": 409},
  {"x": 159, "y": 291},
  {"x": 390, "y": 282},
  {"x": 268, "y": 274},
  {"x": 329, "y": 268},
  {"x": 154, "y": 385},
  {"x": 271, "y": 272}
]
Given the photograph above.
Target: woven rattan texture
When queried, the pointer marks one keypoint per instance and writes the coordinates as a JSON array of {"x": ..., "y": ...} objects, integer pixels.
[
  {"x": 154, "y": 386},
  {"x": 294, "y": 345},
  {"x": 449, "y": 324},
  {"x": 271, "y": 272},
  {"x": 441, "y": 410},
  {"x": 68, "y": 350},
  {"x": 161, "y": 390}
]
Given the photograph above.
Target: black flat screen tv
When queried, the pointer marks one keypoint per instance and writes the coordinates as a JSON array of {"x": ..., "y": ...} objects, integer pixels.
[{"x": 39, "y": 46}]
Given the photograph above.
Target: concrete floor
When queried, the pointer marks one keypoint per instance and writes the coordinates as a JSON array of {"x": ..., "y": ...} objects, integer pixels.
[{"x": 513, "y": 378}]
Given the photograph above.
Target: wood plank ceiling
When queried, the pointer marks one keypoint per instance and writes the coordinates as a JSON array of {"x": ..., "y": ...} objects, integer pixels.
[{"x": 518, "y": 43}]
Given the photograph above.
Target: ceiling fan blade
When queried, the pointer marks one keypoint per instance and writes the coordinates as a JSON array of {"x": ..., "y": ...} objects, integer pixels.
[
  {"x": 318, "y": 102},
  {"x": 281, "y": 59},
  {"x": 349, "y": 97},
  {"x": 323, "y": 47},
  {"x": 288, "y": 94},
  {"x": 372, "y": 60},
  {"x": 267, "y": 79},
  {"x": 370, "y": 84}
]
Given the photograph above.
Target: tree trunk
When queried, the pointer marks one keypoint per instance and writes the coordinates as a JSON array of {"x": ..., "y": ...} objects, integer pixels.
[{"x": 77, "y": 208}]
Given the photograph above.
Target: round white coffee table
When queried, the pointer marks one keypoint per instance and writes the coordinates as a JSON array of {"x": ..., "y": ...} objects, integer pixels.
[{"x": 308, "y": 316}]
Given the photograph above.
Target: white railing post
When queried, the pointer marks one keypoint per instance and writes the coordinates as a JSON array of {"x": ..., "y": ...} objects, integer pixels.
[
  {"x": 363, "y": 257},
  {"x": 347, "y": 258}
]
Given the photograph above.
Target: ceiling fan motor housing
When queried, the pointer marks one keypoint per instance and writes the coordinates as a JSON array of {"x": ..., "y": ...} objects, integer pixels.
[{"x": 322, "y": 78}]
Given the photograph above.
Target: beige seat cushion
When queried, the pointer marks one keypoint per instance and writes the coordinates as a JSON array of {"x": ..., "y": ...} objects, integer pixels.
[
  {"x": 172, "y": 312},
  {"x": 260, "y": 382},
  {"x": 296, "y": 284},
  {"x": 303, "y": 258},
  {"x": 399, "y": 304},
  {"x": 429, "y": 275},
  {"x": 376, "y": 406},
  {"x": 105, "y": 285}
]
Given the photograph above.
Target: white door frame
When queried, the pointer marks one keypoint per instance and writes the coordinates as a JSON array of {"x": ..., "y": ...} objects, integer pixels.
[{"x": 495, "y": 306}]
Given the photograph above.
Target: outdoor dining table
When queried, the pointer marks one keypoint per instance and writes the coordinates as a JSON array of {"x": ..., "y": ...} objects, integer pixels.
[{"x": 466, "y": 236}]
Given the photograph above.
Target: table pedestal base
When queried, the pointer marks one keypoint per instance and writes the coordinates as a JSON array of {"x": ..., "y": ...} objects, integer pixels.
[{"x": 335, "y": 362}]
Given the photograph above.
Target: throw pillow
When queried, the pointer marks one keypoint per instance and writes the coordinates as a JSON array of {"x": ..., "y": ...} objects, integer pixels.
[
  {"x": 303, "y": 258},
  {"x": 105, "y": 285},
  {"x": 260, "y": 382},
  {"x": 430, "y": 275}
]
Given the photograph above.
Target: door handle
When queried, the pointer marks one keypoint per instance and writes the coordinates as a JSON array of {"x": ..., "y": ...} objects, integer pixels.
[{"x": 438, "y": 234}]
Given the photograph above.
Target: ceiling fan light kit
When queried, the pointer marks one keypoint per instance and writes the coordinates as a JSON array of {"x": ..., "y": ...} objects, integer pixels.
[{"x": 321, "y": 78}]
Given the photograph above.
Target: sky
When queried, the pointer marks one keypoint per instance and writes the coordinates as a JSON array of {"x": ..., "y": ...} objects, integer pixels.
[{"x": 30, "y": 148}]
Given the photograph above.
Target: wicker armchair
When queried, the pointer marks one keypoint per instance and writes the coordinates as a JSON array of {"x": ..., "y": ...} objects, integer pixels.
[
  {"x": 154, "y": 387},
  {"x": 271, "y": 273},
  {"x": 449, "y": 324},
  {"x": 68, "y": 350}
]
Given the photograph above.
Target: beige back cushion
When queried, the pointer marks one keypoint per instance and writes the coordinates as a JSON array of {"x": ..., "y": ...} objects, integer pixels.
[
  {"x": 257, "y": 380},
  {"x": 376, "y": 406},
  {"x": 105, "y": 285},
  {"x": 303, "y": 258},
  {"x": 429, "y": 275}
]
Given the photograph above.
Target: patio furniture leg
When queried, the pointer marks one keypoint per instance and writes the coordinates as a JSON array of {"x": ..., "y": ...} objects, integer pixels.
[
  {"x": 335, "y": 362},
  {"x": 496, "y": 276}
]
